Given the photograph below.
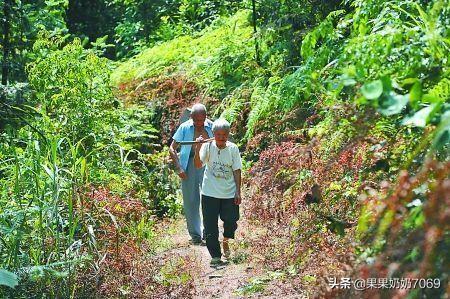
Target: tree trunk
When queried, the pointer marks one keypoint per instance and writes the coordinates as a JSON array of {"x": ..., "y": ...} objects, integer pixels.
[
  {"x": 254, "y": 32},
  {"x": 6, "y": 26}
]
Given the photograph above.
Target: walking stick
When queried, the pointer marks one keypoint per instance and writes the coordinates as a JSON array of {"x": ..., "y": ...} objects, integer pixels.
[{"x": 195, "y": 142}]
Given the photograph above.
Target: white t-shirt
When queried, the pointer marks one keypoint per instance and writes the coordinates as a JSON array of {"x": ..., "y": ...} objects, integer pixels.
[{"x": 218, "y": 179}]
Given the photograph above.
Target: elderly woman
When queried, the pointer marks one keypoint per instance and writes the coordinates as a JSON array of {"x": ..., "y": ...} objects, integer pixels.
[
  {"x": 191, "y": 177},
  {"x": 221, "y": 188}
]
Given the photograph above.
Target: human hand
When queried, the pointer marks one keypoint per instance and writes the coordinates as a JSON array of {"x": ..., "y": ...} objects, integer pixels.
[
  {"x": 199, "y": 143},
  {"x": 237, "y": 198},
  {"x": 182, "y": 175}
]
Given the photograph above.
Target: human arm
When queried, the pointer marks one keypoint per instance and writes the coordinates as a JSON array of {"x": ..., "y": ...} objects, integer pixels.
[
  {"x": 197, "y": 160},
  {"x": 237, "y": 166},
  {"x": 237, "y": 181},
  {"x": 173, "y": 154}
]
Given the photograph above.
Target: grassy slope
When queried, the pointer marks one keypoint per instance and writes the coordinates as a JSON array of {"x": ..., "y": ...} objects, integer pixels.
[{"x": 198, "y": 57}]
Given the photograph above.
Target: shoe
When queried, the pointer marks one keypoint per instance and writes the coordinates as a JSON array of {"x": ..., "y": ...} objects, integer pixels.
[
  {"x": 217, "y": 262},
  {"x": 195, "y": 241}
]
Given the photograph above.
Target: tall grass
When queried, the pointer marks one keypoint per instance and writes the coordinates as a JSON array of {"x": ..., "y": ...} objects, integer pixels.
[
  {"x": 39, "y": 223},
  {"x": 54, "y": 225}
]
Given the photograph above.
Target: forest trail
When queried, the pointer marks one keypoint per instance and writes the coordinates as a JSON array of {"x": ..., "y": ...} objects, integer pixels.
[
  {"x": 210, "y": 282},
  {"x": 244, "y": 277}
]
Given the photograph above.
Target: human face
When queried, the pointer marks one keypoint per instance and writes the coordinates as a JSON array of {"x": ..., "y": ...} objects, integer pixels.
[
  {"x": 221, "y": 137},
  {"x": 199, "y": 120}
]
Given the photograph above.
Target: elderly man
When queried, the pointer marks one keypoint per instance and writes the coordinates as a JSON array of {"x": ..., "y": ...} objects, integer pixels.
[
  {"x": 191, "y": 177},
  {"x": 221, "y": 188}
]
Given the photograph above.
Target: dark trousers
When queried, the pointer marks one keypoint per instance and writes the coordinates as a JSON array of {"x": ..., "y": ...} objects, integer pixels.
[{"x": 228, "y": 211}]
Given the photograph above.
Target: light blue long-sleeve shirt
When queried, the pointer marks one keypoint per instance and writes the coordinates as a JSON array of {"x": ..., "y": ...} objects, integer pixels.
[{"x": 185, "y": 132}]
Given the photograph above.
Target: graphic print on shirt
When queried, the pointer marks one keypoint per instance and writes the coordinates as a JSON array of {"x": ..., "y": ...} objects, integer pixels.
[{"x": 221, "y": 170}]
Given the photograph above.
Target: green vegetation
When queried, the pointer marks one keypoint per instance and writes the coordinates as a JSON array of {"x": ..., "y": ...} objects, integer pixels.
[
  {"x": 342, "y": 110},
  {"x": 368, "y": 99},
  {"x": 219, "y": 59},
  {"x": 66, "y": 141}
]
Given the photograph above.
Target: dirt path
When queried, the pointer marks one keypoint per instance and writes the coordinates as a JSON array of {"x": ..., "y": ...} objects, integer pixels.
[
  {"x": 187, "y": 271},
  {"x": 209, "y": 282}
]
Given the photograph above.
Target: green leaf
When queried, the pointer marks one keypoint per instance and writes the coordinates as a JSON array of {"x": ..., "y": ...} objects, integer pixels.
[
  {"x": 420, "y": 118},
  {"x": 442, "y": 136},
  {"x": 387, "y": 83},
  {"x": 347, "y": 80},
  {"x": 415, "y": 95},
  {"x": 392, "y": 103},
  {"x": 309, "y": 278},
  {"x": 429, "y": 98},
  {"x": 372, "y": 90},
  {"x": 8, "y": 279},
  {"x": 361, "y": 101},
  {"x": 409, "y": 81}
]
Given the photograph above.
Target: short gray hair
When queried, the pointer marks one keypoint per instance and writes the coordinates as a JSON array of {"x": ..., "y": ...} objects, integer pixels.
[
  {"x": 221, "y": 124},
  {"x": 198, "y": 108}
]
